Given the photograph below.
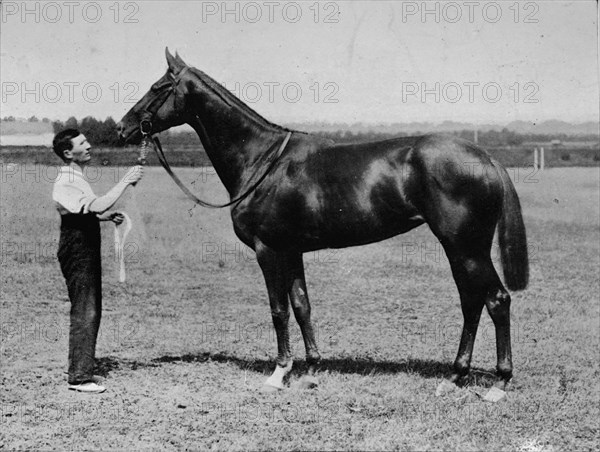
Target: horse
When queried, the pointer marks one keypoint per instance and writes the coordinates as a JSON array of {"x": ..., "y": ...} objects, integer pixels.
[{"x": 293, "y": 192}]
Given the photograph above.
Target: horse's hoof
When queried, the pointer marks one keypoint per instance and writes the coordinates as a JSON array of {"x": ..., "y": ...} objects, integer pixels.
[
  {"x": 495, "y": 395},
  {"x": 445, "y": 387},
  {"x": 308, "y": 382},
  {"x": 269, "y": 388}
]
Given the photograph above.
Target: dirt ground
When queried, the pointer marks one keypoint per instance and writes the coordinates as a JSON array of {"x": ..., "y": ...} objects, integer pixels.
[{"x": 186, "y": 342}]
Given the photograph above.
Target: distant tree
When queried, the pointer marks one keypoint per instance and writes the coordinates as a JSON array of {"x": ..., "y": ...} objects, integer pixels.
[
  {"x": 466, "y": 134},
  {"x": 98, "y": 133},
  {"x": 71, "y": 123},
  {"x": 9, "y": 119},
  {"x": 45, "y": 120},
  {"x": 33, "y": 119},
  {"x": 90, "y": 127},
  {"x": 108, "y": 132},
  {"x": 57, "y": 126}
]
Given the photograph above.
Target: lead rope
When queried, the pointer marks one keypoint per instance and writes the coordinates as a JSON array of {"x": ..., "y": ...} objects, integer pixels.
[
  {"x": 123, "y": 229},
  {"x": 120, "y": 244}
]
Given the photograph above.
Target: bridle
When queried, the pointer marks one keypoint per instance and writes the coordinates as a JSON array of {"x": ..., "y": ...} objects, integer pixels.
[
  {"x": 146, "y": 129},
  {"x": 150, "y": 111}
]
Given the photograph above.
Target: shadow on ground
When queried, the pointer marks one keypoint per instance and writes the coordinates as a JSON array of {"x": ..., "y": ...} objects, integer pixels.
[{"x": 358, "y": 366}]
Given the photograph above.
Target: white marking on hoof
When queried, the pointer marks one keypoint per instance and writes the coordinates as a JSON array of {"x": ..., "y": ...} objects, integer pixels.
[
  {"x": 276, "y": 379},
  {"x": 269, "y": 389},
  {"x": 445, "y": 387},
  {"x": 495, "y": 395}
]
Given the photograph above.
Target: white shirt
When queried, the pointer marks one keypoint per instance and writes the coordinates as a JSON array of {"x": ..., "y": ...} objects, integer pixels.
[{"x": 72, "y": 193}]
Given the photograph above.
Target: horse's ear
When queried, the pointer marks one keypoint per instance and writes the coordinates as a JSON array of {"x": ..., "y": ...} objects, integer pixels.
[
  {"x": 179, "y": 59},
  {"x": 174, "y": 65}
]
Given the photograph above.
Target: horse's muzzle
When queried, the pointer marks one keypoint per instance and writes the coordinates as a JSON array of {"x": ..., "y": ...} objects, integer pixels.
[{"x": 121, "y": 130}]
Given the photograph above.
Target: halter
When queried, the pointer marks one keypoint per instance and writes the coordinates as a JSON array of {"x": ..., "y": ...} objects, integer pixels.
[{"x": 146, "y": 129}]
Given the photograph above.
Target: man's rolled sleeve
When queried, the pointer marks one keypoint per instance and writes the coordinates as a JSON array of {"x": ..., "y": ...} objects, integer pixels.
[
  {"x": 73, "y": 199},
  {"x": 73, "y": 193}
]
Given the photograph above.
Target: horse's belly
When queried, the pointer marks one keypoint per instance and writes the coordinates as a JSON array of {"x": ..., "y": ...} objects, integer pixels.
[
  {"x": 339, "y": 229},
  {"x": 353, "y": 229}
]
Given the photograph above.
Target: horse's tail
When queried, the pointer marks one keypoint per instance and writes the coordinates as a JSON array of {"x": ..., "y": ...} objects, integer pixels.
[{"x": 512, "y": 237}]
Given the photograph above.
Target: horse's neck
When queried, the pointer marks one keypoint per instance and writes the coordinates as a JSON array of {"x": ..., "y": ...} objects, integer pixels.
[{"x": 232, "y": 141}]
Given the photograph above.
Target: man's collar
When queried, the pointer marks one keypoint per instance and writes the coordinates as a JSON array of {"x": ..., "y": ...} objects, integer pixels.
[{"x": 75, "y": 167}]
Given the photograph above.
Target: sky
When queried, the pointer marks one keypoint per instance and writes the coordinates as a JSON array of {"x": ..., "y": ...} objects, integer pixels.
[{"x": 370, "y": 62}]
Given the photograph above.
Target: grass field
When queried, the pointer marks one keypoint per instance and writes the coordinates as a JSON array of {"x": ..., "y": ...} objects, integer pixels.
[{"x": 187, "y": 341}]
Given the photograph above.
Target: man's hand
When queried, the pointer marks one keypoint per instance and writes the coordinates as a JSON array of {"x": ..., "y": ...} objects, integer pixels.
[
  {"x": 116, "y": 217},
  {"x": 133, "y": 175}
]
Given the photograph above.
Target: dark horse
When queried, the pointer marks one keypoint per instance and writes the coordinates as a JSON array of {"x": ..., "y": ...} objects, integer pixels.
[{"x": 313, "y": 193}]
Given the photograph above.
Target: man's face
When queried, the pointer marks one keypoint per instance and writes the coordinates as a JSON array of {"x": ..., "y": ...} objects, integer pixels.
[{"x": 81, "y": 150}]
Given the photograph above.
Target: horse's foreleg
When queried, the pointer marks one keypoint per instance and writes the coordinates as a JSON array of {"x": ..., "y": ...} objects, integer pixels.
[
  {"x": 301, "y": 307},
  {"x": 275, "y": 270}
]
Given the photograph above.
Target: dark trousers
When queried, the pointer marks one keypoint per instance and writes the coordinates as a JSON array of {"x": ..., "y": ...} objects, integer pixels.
[{"x": 79, "y": 257}]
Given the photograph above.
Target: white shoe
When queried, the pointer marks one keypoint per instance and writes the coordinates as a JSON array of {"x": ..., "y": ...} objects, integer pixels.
[{"x": 89, "y": 387}]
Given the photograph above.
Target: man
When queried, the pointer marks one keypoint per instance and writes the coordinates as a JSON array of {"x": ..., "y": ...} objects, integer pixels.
[{"x": 79, "y": 250}]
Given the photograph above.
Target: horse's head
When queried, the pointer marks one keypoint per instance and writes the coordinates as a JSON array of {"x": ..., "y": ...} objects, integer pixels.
[{"x": 161, "y": 108}]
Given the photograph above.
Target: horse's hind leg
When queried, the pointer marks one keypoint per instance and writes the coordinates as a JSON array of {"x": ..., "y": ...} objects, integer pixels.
[
  {"x": 301, "y": 307},
  {"x": 498, "y": 306},
  {"x": 275, "y": 268},
  {"x": 467, "y": 234},
  {"x": 479, "y": 284}
]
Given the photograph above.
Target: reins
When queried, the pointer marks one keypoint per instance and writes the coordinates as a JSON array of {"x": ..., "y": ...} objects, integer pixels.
[{"x": 165, "y": 164}]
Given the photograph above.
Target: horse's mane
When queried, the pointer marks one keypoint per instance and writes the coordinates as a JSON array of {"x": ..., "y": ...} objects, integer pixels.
[{"x": 230, "y": 99}]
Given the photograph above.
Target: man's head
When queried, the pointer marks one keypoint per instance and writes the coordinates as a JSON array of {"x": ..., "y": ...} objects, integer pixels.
[{"x": 71, "y": 146}]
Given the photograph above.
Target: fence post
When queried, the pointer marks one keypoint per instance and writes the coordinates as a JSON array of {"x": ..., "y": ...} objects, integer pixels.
[
  {"x": 542, "y": 163},
  {"x": 535, "y": 158}
]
